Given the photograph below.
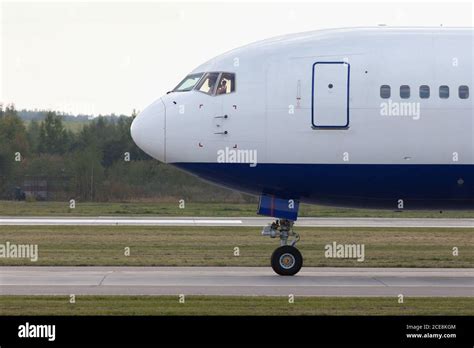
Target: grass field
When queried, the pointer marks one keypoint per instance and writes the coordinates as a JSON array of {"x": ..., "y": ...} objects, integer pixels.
[
  {"x": 15, "y": 208},
  {"x": 240, "y": 305},
  {"x": 214, "y": 246}
]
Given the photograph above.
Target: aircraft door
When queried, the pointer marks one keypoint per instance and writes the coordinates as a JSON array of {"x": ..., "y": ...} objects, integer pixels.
[
  {"x": 226, "y": 98},
  {"x": 330, "y": 95}
]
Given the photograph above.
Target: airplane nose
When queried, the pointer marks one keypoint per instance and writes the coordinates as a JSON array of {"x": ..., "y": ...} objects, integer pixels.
[{"x": 148, "y": 130}]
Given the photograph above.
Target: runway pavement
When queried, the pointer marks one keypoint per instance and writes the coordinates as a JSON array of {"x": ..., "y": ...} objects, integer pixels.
[
  {"x": 235, "y": 221},
  {"x": 419, "y": 282}
]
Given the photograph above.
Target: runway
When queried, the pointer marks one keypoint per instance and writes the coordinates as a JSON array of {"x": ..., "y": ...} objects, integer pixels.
[
  {"x": 235, "y": 221},
  {"x": 232, "y": 281}
]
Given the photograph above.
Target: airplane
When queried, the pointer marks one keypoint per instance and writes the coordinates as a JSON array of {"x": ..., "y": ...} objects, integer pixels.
[{"x": 377, "y": 117}]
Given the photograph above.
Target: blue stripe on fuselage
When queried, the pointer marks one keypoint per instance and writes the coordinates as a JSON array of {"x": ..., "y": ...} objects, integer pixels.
[{"x": 352, "y": 185}]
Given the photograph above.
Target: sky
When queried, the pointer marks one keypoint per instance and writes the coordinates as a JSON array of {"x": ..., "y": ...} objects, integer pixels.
[{"x": 116, "y": 56}]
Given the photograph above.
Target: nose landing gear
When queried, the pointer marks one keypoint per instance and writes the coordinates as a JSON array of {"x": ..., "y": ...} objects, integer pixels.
[{"x": 285, "y": 260}]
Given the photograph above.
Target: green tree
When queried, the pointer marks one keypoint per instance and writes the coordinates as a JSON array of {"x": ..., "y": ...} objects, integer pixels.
[
  {"x": 13, "y": 148},
  {"x": 33, "y": 132},
  {"x": 88, "y": 173},
  {"x": 53, "y": 136}
]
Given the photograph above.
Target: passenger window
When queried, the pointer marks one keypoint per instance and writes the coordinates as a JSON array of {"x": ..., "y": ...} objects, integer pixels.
[
  {"x": 404, "y": 91},
  {"x": 208, "y": 83},
  {"x": 226, "y": 84},
  {"x": 385, "y": 91},
  {"x": 444, "y": 92},
  {"x": 463, "y": 92},
  {"x": 424, "y": 91}
]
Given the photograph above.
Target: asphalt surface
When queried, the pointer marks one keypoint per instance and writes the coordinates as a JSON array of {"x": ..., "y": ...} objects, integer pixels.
[
  {"x": 237, "y": 221},
  {"x": 419, "y": 282}
]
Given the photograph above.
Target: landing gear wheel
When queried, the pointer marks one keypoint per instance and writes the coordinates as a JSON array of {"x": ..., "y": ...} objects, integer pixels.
[{"x": 287, "y": 260}]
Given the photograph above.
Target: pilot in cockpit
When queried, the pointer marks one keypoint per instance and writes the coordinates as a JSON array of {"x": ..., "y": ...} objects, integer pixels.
[
  {"x": 211, "y": 82},
  {"x": 222, "y": 89}
]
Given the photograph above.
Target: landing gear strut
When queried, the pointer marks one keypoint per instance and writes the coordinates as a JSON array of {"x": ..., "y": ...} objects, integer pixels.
[{"x": 286, "y": 260}]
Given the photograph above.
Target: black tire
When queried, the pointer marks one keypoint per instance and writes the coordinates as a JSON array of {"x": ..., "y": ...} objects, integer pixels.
[{"x": 289, "y": 255}]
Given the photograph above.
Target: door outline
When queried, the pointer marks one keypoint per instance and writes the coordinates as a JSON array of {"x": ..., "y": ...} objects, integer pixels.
[{"x": 346, "y": 126}]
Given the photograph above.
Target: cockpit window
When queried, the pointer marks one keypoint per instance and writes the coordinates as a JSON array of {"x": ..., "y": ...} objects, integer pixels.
[
  {"x": 226, "y": 84},
  {"x": 208, "y": 83},
  {"x": 188, "y": 83},
  {"x": 212, "y": 83}
]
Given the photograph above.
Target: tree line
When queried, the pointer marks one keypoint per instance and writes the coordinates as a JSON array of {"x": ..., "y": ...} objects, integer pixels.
[{"x": 99, "y": 162}]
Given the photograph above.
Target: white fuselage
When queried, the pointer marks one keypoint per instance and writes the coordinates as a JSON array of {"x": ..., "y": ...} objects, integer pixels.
[{"x": 314, "y": 99}]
